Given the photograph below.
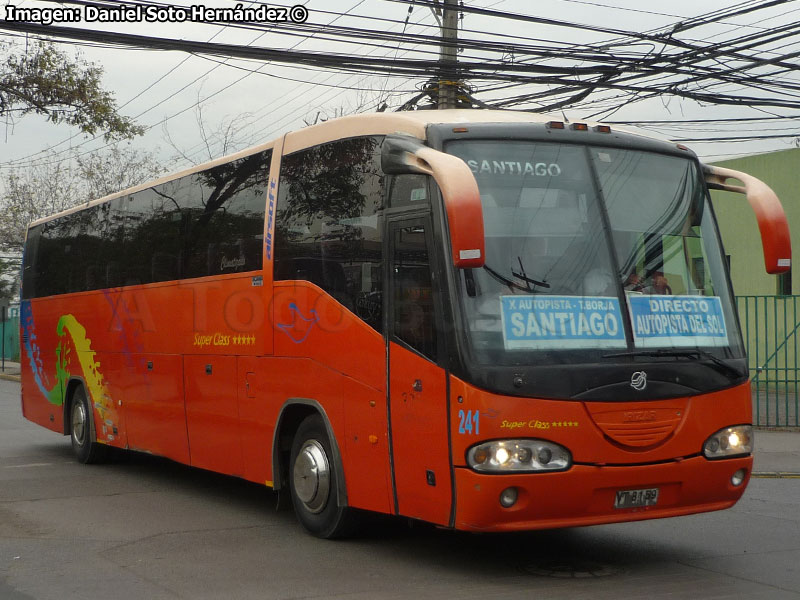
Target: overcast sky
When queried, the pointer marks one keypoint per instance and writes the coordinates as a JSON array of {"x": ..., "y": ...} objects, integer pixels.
[{"x": 164, "y": 90}]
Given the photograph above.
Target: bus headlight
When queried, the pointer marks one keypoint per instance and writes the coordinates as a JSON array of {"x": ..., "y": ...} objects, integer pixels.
[
  {"x": 730, "y": 442},
  {"x": 519, "y": 456}
]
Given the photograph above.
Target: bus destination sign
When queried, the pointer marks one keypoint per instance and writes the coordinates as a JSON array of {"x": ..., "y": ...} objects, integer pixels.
[
  {"x": 544, "y": 322},
  {"x": 677, "y": 321}
]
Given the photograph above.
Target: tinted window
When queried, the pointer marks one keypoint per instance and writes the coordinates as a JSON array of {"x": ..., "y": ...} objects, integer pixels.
[
  {"x": 225, "y": 209},
  {"x": 29, "y": 262},
  {"x": 113, "y": 243},
  {"x": 409, "y": 190},
  {"x": 329, "y": 220},
  {"x": 55, "y": 272},
  {"x": 152, "y": 236},
  {"x": 414, "y": 318},
  {"x": 203, "y": 224}
]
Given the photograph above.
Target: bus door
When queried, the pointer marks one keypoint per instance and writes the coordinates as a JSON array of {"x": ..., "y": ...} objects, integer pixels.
[{"x": 417, "y": 385}]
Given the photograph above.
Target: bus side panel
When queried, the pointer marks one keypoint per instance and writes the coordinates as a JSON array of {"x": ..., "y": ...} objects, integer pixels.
[
  {"x": 309, "y": 322},
  {"x": 367, "y": 468},
  {"x": 110, "y": 412},
  {"x": 312, "y": 324},
  {"x": 153, "y": 400},
  {"x": 290, "y": 381},
  {"x": 76, "y": 335},
  {"x": 356, "y": 413},
  {"x": 43, "y": 377},
  {"x": 223, "y": 315},
  {"x": 212, "y": 413},
  {"x": 258, "y": 412}
]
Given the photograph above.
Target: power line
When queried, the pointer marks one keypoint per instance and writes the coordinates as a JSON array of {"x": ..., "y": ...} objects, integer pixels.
[{"x": 610, "y": 75}]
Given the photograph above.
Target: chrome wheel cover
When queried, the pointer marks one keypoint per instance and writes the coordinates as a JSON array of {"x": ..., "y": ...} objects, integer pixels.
[
  {"x": 79, "y": 424},
  {"x": 311, "y": 475}
]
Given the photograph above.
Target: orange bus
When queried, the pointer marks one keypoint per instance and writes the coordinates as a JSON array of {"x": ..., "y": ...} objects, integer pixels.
[{"x": 480, "y": 319}]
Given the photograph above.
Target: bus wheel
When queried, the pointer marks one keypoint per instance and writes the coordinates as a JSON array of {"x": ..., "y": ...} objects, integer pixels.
[
  {"x": 312, "y": 482},
  {"x": 84, "y": 443}
]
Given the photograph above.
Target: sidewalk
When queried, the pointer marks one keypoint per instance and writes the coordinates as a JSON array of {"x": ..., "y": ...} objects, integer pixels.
[
  {"x": 777, "y": 454},
  {"x": 11, "y": 372}
]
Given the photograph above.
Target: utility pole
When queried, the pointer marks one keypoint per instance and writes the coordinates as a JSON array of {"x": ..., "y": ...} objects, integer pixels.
[{"x": 448, "y": 75}]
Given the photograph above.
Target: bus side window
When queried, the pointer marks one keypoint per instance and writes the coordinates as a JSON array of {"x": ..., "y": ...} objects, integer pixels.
[
  {"x": 414, "y": 319},
  {"x": 409, "y": 190},
  {"x": 55, "y": 258},
  {"x": 328, "y": 223},
  {"x": 31, "y": 263},
  {"x": 223, "y": 209}
]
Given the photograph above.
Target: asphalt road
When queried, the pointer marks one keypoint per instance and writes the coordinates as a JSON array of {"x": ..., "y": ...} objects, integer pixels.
[{"x": 146, "y": 528}]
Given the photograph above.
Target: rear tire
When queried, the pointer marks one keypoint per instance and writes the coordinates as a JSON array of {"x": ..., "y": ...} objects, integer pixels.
[
  {"x": 313, "y": 478},
  {"x": 82, "y": 432}
]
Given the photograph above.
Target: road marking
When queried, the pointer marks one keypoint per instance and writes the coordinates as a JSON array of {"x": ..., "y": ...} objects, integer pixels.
[
  {"x": 776, "y": 475},
  {"x": 29, "y": 465}
]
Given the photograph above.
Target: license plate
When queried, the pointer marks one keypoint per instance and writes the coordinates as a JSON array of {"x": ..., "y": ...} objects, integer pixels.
[{"x": 636, "y": 498}]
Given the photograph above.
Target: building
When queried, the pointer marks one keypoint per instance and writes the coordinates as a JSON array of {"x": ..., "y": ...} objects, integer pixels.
[
  {"x": 769, "y": 310},
  {"x": 739, "y": 230}
]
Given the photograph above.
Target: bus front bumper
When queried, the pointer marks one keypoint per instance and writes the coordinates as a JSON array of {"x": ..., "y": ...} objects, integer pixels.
[{"x": 585, "y": 494}]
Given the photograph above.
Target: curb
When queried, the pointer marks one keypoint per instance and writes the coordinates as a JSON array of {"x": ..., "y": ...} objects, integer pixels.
[
  {"x": 10, "y": 377},
  {"x": 776, "y": 429}
]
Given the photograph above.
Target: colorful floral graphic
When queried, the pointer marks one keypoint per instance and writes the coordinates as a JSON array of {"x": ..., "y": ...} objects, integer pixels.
[{"x": 77, "y": 345}]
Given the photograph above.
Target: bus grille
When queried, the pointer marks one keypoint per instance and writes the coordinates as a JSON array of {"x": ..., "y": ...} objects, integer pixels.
[{"x": 638, "y": 426}]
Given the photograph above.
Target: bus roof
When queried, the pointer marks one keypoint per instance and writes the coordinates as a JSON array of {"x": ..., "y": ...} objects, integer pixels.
[{"x": 412, "y": 123}]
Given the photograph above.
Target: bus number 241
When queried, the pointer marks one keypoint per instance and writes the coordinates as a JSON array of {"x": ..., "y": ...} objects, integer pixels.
[{"x": 469, "y": 422}]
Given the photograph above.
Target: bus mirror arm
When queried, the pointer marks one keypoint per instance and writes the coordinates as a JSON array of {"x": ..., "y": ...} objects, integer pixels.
[
  {"x": 772, "y": 223},
  {"x": 462, "y": 200}
]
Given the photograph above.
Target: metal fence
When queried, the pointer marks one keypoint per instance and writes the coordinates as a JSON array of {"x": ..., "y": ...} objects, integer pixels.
[
  {"x": 770, "y": 327},
  {"x": 9, "y": 336}
]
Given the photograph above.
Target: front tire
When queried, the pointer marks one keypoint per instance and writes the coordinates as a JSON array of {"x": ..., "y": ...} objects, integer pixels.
[
  {"x": 82, "y": 432},
  {"x": 313, "y": 478}
]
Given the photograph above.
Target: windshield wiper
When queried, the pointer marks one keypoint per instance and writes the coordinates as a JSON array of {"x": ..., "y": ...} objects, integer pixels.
[
  {"x": 513, "y": 284},
  {"x": 527, "y": 279},
  {"x": 688, "y": 353}
]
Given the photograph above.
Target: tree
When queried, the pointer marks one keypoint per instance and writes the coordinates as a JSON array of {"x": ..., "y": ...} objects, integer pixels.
[
  {"x": 120, "y": 167},
  {"x": 55, "y": 185},
  {"x": 227, "y": 137},
  {"x": 38, "y": 78},
  {"x": 8, "y": 279}
]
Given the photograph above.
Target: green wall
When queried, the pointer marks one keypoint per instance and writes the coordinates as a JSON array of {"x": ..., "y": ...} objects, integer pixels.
[
  {"x": 740, "y": 236},
  {"x": 769, "y": 325}
]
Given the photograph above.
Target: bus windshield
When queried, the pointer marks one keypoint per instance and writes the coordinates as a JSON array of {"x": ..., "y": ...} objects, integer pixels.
[{"x": 592, "y": 252}]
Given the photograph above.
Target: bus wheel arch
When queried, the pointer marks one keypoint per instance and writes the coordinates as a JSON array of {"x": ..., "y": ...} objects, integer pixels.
[{"x": 307, "y": 461}]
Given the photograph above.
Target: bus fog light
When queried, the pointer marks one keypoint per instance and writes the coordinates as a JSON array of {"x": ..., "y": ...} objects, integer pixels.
[
  {"x": 738, "y": 478},
  {"x": 730, "y": 442},
  {"x": 527, "y": 456},
  {"x": 509, "y": 497}
]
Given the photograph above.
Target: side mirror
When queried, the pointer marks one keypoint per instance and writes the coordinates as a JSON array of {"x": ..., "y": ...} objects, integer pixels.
[
  {"x": 771, "y": 218},
  {"x": 462, "y": 200}
]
